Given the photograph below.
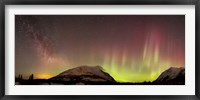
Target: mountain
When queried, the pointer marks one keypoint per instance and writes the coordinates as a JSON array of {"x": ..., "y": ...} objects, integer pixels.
[
  {"x": 83, "y": 75},
  {"x": 172, "y": 76}
]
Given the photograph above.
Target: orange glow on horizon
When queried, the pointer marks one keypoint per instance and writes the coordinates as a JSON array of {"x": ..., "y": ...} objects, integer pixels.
[{"x": 43, "y": 76}]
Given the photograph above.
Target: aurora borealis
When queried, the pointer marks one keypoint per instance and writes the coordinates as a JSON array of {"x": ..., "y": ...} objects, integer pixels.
[{"x": 131, "y": 48}]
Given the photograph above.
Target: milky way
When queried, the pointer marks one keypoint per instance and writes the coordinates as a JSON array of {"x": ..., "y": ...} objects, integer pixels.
[
  {"x": 40, "y": 42},
  {"x": 131, "y": 48}
]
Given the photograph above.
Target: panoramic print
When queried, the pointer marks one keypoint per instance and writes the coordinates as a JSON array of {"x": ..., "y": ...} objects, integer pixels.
[{"x": 100, "y": 50}]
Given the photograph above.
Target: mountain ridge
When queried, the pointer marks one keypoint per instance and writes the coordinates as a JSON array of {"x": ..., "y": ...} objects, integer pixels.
[
  {"x": 84, "y": 75},
  {"x": 173, "y": 75}
]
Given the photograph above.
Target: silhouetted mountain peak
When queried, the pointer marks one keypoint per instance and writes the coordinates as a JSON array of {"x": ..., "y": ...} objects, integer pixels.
[
  {"x": 84, "y": 74},
  {"x": 172, "y": 75}
]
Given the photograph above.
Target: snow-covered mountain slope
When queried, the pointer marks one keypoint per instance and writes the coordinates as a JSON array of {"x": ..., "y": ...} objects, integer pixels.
[
  {"x": 82, "y": 74},
  {"x": 173, "y": 74}
]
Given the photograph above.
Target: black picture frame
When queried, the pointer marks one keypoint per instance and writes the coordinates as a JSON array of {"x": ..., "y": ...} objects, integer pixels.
[{"x": 99, "y": 2}]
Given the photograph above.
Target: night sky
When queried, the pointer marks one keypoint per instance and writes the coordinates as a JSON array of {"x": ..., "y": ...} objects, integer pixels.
[{"x": 131, "y": 48}]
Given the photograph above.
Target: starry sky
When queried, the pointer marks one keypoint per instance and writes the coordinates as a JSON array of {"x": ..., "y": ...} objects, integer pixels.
[{"x": 131, "y": 48}]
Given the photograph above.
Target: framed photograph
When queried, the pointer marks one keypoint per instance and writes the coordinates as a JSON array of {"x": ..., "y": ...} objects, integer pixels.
[{"x": 102, "y": 49}]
